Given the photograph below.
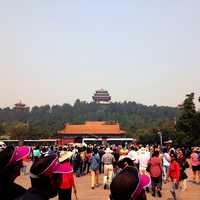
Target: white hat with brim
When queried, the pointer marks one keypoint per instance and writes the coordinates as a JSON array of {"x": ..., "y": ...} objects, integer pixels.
[
  {"x": 108, "y": 150},
  {"x": 65, "y": 155}
]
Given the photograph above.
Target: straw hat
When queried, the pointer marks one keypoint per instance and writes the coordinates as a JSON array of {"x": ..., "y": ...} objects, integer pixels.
[{"x": 64, "y": 155}]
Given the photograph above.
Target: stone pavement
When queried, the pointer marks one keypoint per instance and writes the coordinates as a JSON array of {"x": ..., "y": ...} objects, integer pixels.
[{"x": 86, "y": 193}]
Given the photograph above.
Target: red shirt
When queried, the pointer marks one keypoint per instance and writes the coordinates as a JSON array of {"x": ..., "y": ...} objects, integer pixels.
[
  {"x": 67, "y": 179},
  {"x": 155, "y": 166},
  {"x": 174, "y": 171}
]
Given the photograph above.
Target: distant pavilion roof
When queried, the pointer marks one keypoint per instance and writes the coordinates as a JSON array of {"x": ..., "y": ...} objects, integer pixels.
[{"x": 92, "y": 128}]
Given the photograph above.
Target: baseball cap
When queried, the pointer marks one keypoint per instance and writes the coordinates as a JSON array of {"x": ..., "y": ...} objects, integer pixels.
[
  {"x": 133, "y": 184},
  {"x": 48, "y": 165}
]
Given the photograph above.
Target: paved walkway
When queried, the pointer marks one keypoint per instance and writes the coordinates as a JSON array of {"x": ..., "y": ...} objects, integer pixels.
[{"x": 86, "y": 193}]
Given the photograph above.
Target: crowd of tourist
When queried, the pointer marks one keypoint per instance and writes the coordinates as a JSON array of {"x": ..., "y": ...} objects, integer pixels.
[{"x": 140, "y": 168}]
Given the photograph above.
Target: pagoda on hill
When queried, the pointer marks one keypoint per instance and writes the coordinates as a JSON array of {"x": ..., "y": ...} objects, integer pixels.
[
  {"x": 20, "y": 107},
  {"x": 101, "y": 96}
]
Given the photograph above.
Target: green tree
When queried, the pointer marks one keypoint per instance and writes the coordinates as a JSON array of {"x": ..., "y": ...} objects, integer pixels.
[
  {"x": 19, "y": 131},
  {"x": 188, "y": 123}
]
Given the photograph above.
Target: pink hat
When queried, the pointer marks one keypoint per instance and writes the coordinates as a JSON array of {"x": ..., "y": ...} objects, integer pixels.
[
  {"x": 56, "y": 167},
  {"x": 19, "y": 153},
  {"x": 132, "y": 182},
  {"x": 144, "y": 181},
  {"x": 47, "y": 166}
]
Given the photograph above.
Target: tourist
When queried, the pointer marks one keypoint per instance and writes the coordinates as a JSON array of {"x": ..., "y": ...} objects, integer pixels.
[
  {"x": 156, "y": 171},
  {"x": 89, "y": 156},
  {"x": 129, "y": 185},
  {"x": 77, "y": 162},
  {"x": 183, "y": 165},
  {"x": 10, "y": 165},
  {"x": 133, "y": 155},
  {"x": 36, "y": 152},
  {"x": 195, "y": 162},
  {"x": 166, "y": 163},
  {"x": 143, "y": 157},
  {"x": 174, "y": 174},
  {"x": 83, "y": 155},
  {"x": 45, "y": 174},
  {"x": 108, "y": 160},
  {"x": 95, "y": 160},
  {"x": 123, "y": 151},
  {"x": 67, "y": 180},
  {"x": 101, "y": 153}
]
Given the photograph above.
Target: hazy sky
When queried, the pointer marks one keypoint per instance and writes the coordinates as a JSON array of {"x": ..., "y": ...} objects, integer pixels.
[{"x": 53, "y": 52}]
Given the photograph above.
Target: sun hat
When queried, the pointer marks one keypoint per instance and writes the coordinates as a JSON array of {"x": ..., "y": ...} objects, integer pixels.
[
  {"x": 64, "y": 155},
  {"x": 108, "y": 150},
  {"x": 133, "y": 184},
  {"x": 11, "y": 155},
  {"x": 47, "y": 166}
]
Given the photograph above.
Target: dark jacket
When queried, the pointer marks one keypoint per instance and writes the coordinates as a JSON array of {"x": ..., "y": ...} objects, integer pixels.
[
  {"x": 10, "y": 191},
  {"x": 33, "y": 194}
]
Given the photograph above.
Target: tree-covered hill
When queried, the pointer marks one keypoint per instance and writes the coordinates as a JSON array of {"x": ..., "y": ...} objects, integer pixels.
[{"x": 44, "y": 121}]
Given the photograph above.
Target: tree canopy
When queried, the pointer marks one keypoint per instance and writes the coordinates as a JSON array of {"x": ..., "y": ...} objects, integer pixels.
[{"x": 140, "y": 121}]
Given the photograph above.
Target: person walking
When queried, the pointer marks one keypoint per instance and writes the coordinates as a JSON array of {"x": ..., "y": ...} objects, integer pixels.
[
  {"x": 156, "y": 172},
  {"x": 94, "y": 166},
  {"x": 183, "y": 165},
  {"x": 67, "y": 180},
  {"x": 166, "y": 163},
  {"x": 108, "y": 160},
  {"x": 195, "y": 162},
  {"x": 174, "y": 175}
]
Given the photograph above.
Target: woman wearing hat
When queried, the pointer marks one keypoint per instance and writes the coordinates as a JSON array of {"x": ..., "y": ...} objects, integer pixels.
[
  {"x": 67, "y": 180},
  {"x": 45, "y": 174},
  {"x": 10, "y": 165},
  {"x": 133, "y": 187}
]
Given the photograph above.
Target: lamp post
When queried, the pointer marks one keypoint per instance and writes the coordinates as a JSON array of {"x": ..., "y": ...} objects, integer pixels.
[{"x": 160, "y": 134}]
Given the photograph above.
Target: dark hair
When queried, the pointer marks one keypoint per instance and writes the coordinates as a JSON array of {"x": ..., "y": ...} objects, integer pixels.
[
  {"x": 129, "y": 178},
  {"x": 95, "y": 150},
  {"x": 122, "y": 163},
  {"x": 155, "y": 153},
  {"x": 132, "y": 148},
  {"x": 173, "y": 155},
  {"x": 5, "y": 157},
  {"x": 165, "y": 150}
]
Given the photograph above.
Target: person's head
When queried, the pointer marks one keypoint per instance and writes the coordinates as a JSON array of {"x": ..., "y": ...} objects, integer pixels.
[
  {"x": 173, "y": 156},
  {"x": 155, "y": 153},
  {"x": 132, "y": 148},
  {"x": 11, "y": 162},
  {"x": 2, "y": 146},
  {"x": 45, "y": 174},
  {"x": 132, "y": 187},
  {"x": 65, "y": 156},
  {"x": 95, "y": 150},
  {"x": 124, "y": 162},
  {"x": 194, "y": 150},
  {"x": 108, "y": 150},
  {"x": 123, "y": 145},
  {"x": 165, "y": 150}
]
